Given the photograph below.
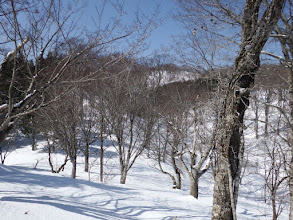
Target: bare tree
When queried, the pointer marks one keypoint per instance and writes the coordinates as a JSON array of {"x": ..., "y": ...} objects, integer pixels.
[
  {"x": 283, "y": 33},
  {"x": 89, "y": 125},
  {"x": 276, "y": 151},
  {"x": 52, "y": 148},
  {"x": 276, "y": 175},
  {"x": 94, "y": 125},
  {"x": 199, "y": 149},
  {"x": 126, "y": 96},
  {"x": 164, "y": 148},
  {"x": 255, "y": 23},
  {"x": 62, "y": 119},
  {"x": 40, "y": 29}
]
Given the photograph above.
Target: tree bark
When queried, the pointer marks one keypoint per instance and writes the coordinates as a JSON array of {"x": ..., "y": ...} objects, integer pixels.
[
  {"x": 193, "y": 179},
  {"x": 72, "y": 152},
  {"x": 4, "y": 133},
  {"x": 237, "y": 178},
  {"x": 174, "y": 165},
  {"x": 34, "y": 143},
  {"x": 123, "y": 176},
  {"x": 102, "y": 150},
  {"x": 275, "y": 216},
  {"x": 256, "y": 120},
  {"x": 73, "y": 170},
  {"x": 255, "y": 34},
  {"x": 221, "y": 198},
  {"x": 86, "y": 157},
  {"x": 267, "y": 111},
  {"x": 291, "y": 142},
  {"x": 102, "y": 163}
]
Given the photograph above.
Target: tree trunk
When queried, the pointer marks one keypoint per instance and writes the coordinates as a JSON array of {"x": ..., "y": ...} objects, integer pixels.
[
  {"x": 102, "y": 164},
  {"x": 193, "y": 178},
  {"x": 221, "y": 198},
  {"x": 178, "y": 180},
  {"x": 291, "y": 143},
  {"x": 230, "y": 146},
  {"x": 102, "y": 150},
  {"x": 255, "y": 33},
  {"x": 165, "y": 145},
  {"x": 86, "y": 157},
  {"x": 237, "y": 178},
  {"x": 174, "y": 165},
  {"x": 267, "y": 111},
  {"x": 123, "y": 175},
  {"x": 256, "y": 119},
  {"x": 73, "y": 170},
  {"x": 61, "y": 168},
  {"x": 34, "y": 143},
  {"x": 291, "y": 184},
  {"x": 4, "y": 133},
  {"x": 274, "y": 209}
]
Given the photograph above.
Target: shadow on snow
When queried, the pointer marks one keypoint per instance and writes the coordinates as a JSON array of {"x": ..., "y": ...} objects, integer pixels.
[{"x": 78, "y": 204}]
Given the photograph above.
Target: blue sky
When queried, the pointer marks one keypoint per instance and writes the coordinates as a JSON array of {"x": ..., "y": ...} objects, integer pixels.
[{"x": 162, "y": 36}]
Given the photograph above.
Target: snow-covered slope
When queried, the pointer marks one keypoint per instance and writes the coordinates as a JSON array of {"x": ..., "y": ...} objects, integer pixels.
[{"x": 35, "y": 193}]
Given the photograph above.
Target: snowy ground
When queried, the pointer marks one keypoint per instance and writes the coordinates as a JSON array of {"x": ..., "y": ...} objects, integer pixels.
[{"x": 28, "y": 193}]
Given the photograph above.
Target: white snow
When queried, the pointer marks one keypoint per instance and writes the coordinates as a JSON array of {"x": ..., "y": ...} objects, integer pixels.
[
  {"x": 28, "y": 190},
  {"x": 17, "y": 105},
  {"x": 3, "y": 106},
  {"x": 9, "y": 53},
  {"x": 164, "y": 77},
  {"x": 37, "y": 194}
]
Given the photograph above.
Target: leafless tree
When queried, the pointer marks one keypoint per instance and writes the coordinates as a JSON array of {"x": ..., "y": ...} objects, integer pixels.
[
  {"x": 253, "y": 22},
  {"x": 275, "y": 142},
  {"x": 94, "y": 126},
  {"x": 276, "y": 176},
  {"x": 42, "y": 29},
  {"x": 283, "y": 33},
  {"x": 62, "y": 120},
  {"x": 52, "y": 148},
  {"x": 89, "y": 126},
  {"x": 165, "y": 148},
  {"x": 126, "y": 97},
  {"x": 179, "y": 138},
  {"x": 199, "y": 149}
]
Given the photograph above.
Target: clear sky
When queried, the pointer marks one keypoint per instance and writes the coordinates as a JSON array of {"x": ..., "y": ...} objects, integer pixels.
[{"x": 162, "y": 36}]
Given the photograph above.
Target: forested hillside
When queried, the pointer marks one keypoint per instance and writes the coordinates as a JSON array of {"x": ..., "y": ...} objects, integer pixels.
[{"x": 209, "y": 115}]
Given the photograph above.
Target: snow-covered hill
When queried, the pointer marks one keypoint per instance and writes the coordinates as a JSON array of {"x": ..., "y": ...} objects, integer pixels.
[{"x": 35, "y": 193}]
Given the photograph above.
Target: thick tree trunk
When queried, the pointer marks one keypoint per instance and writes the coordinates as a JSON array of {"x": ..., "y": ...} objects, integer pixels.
[
  {"x": 174, "y": 165},
  {"x": 221, "y": 198},
  {"x": 4, "y": 133},
  {"x": 291, "y": 185},
  {"x": 123, "y": 176},
  {"x": 178, "y": 180},
  {"x": 193, "y": 179},
  {"x": 291, "y": 142},
  {"x": 72, "y": 152},
  {"x": 237, "y": 178},
  {"x": 229, "y": 152},
  {"x": 73, "y": 170},
  {"x": 255, "y": 33}
]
